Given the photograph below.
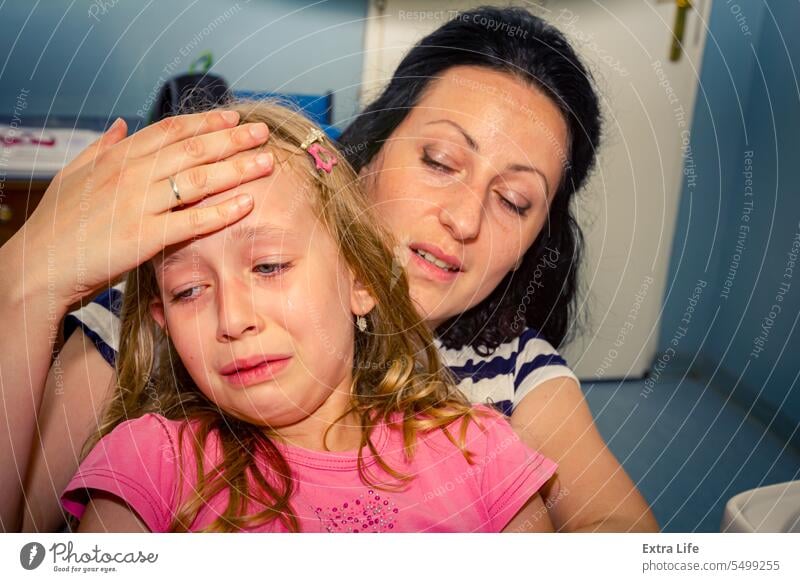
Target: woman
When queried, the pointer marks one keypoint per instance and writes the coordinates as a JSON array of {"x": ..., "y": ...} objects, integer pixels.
[{"x": 473, "y": 154}]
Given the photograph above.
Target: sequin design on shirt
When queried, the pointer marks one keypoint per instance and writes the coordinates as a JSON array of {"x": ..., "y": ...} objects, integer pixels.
[{"x": 370, "y": 512}]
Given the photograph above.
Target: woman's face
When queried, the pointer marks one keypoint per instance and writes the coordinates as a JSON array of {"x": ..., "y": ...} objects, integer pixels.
[{"x": 465, "y": 183}]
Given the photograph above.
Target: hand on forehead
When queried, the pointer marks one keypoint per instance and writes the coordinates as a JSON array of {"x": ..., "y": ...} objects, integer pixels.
[
  {"x": 280, "y": 199},
  {"x": 257, "y": 188}
]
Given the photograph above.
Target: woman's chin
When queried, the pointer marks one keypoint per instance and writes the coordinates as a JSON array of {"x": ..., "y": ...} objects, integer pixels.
[
  {"x": 434, "y": 308},
  {"x": 432, "y": 318}
]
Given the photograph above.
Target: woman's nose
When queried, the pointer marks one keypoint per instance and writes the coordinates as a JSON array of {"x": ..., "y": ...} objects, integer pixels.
[
  {"x": 461, "y": 213},
  {"x": 237, "y": 315}
]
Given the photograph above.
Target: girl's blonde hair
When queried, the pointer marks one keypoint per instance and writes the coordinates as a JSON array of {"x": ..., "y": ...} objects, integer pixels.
[{"x": 396, "y": 367}]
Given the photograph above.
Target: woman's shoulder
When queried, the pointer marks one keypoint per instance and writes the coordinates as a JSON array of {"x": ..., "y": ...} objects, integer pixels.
[
  {"x": 535, "y": 352},
  {"x": 508, "y": 373},
  {"x": 529, "y": 341}
]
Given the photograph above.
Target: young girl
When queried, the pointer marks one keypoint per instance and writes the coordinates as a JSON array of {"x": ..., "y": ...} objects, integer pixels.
[{"x": 274, "y": 376}]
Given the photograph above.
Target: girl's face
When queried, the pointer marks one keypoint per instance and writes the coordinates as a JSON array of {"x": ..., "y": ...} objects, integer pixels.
[
  {"x": 262, "y": 313},
  {"x": 465, "y": 183}
]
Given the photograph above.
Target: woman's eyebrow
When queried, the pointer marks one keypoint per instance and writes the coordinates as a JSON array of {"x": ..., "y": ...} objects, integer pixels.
[
  {"x": 474, "y": 146},
  {"x": 469, "y": 139}
]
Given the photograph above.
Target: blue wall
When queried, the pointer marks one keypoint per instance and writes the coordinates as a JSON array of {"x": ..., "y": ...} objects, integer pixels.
[
  {"x": 736, "y": 231},
  {"x": 105, "y": 58}
]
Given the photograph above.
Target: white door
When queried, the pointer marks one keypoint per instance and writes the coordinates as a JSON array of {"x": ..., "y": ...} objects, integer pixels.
[{"x": 629, "y": 208}]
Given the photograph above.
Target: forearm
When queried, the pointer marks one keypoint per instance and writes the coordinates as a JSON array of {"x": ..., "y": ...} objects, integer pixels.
[
  {"x": 610, "y": 504},
  {"x": 614, "y": 507},
  {"x": 31, "y": 317},
  {"x": 619, "y": 525},
  {"x": 590, "y": 491}
]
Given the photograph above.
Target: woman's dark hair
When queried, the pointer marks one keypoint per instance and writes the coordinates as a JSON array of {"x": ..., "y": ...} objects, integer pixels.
[{"x": 542, "y": 292}]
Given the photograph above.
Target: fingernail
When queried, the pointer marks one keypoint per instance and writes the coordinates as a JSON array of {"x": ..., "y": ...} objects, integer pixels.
[
  {"x": 244, "y": 201},
  {"x": 264, "y": 160},
  {"x": 259, "y": 131},
  {"x": 230, "y": 116},
  {"x": 117, "y": 123}
]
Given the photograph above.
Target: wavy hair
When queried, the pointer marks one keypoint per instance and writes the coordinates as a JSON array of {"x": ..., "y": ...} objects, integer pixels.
[{"x": 396, "y": 367}]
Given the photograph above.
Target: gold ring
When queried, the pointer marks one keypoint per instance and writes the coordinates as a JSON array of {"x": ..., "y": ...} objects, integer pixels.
[{"x": 175, "y": 190}]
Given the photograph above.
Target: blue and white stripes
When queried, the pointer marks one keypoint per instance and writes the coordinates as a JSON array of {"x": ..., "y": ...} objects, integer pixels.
[{"x": 506, "y": 376}]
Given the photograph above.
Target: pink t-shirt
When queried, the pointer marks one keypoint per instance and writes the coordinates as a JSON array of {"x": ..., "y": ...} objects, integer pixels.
[{"x": 137, "y": 462}]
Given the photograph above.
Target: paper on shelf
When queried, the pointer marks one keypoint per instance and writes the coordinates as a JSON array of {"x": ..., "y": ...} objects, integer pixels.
[{"x": 35, "y": 152}]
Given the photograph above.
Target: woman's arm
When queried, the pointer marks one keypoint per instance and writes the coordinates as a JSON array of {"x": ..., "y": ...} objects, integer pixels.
[
  {"x": 590, "y": 491},
  {"x": 64, "y": 425},
  {"x": 109, "y": 514},
  {"x": 25, "y": 355},
  {"x": 532, "y": 518}
]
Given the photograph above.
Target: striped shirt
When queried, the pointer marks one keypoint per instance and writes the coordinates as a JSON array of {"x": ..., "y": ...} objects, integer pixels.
[{"x": 502, "y": 378}]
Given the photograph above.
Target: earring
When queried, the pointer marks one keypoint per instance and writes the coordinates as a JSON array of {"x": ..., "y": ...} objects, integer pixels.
[{"x": 361, "y": 322}]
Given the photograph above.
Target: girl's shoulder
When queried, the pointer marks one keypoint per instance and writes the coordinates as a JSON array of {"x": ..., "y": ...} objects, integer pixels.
[
  {"x": 489, "y": 424},
  {"x": 482, "y": 427},
  {"x": 152, "y": 424},
  {"x": 154, "y": 433}
]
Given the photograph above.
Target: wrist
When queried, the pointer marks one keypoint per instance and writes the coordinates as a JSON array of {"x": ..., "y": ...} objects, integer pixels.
[{"x": 27, "y": 282}]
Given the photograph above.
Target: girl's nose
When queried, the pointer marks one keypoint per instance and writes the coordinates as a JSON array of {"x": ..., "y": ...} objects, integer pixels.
[
  {"x": 461, "y": 213},
  {"x": 237, "y": 315}
]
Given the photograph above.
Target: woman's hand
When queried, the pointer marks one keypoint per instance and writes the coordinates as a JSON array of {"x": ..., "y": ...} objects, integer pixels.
[
  {"x": 108, "y": 211},
  {"x": 113, "y": 207}
]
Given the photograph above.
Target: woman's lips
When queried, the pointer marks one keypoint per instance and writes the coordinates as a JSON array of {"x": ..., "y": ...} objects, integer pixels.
[
  {"x": 432, "y": 271},
  {"x": 437, "y": 254},
  {"x": 263, "y": 372}
]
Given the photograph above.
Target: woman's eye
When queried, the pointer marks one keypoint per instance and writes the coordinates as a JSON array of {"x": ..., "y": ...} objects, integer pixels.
[
  {"x": 519, "y": 210},
  {"x": 428, "y": 160}
]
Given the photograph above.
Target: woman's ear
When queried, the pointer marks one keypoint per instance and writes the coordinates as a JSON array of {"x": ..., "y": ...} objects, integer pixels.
[
  {"x": 157, "y": 311},
  {"x": 361, "y": 301}
]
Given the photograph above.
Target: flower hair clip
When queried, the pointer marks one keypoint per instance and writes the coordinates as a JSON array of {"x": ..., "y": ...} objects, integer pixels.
[{"x": 324, "y": 159}]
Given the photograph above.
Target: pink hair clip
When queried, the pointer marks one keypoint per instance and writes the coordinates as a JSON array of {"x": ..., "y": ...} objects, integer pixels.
[{"x": 324, "y": 159}]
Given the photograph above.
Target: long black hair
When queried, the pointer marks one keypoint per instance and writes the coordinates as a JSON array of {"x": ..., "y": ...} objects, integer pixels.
[{"x": 542, "y": 292}]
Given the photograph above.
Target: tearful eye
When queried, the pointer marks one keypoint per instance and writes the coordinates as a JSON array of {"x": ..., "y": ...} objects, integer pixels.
[
  {"x": 265, "y": 270},
  {"x": 186, "y": 295},
  {"x": 270, "y": 269}
]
